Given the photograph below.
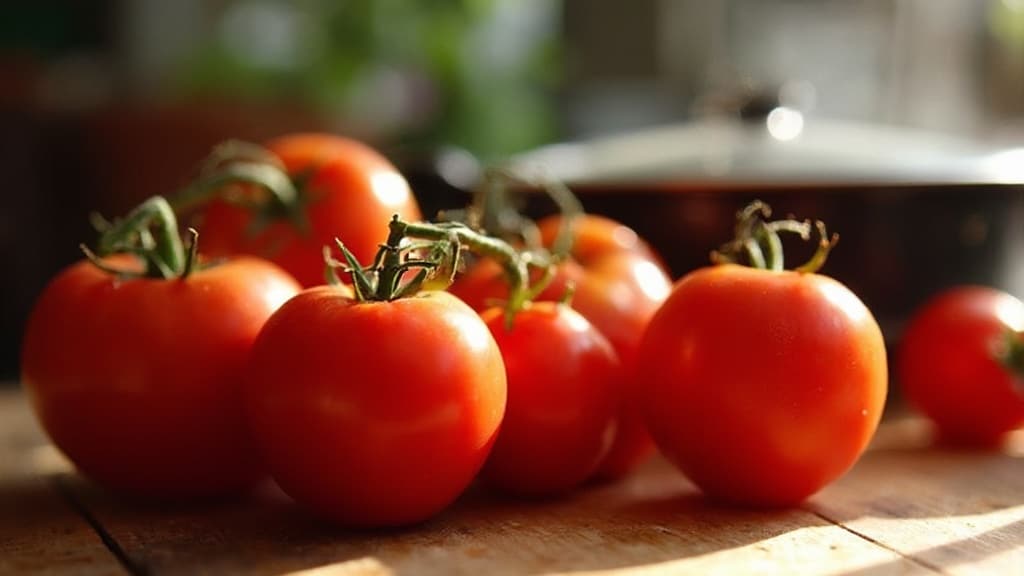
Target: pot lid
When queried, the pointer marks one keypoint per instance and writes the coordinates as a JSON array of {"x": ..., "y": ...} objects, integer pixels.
[{"x": 782, "y": 148}]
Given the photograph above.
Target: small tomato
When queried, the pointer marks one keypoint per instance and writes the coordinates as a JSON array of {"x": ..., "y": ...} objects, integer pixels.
[
  {"x": 619, "y": 283},
  {"x": 564, "y": 388},
  {"x": 958, "y": 364}
]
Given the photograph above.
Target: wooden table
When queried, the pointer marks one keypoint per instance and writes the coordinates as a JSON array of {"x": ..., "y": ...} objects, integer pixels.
[{"x": 904, "y": 509}]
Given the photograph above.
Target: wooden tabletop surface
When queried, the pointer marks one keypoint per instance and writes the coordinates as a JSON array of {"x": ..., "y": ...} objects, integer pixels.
[{"x": 906, "y": 508}]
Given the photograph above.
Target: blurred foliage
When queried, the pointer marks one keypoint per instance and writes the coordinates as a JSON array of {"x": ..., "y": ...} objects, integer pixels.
[
  {"x": 1006, "y": 20},
  {"x": 474, "y": 73}
]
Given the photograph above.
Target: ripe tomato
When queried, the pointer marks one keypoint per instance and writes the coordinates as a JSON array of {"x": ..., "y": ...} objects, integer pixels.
[
  {"x": 953, "y": 364},
  {"x": 762, "y": 386},
  {"x": 619, "y": 284},
  {"x": 375, "y": 413},
  {"x": 139, "y": 381},
  {"x": 597, "y": 236},
  {"x": 564, "y": 389},
  {"x": 347, "y": 189}
]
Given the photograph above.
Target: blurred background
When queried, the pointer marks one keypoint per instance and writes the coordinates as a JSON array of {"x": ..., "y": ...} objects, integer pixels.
[{"x": 105, "y": 103}]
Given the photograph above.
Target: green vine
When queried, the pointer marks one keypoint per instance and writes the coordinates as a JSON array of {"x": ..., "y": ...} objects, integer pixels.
[
  {"x": 496, "y": 211},
  {"x": 434, "y": 252},
  {"x": 757, "y": 241},
  {"x": 236, "y": 162},
  {"x": 149, "y": 232}
]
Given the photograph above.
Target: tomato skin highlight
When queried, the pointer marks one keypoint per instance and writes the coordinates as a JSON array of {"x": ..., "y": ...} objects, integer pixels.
[
  {"x": 762, "y": 387},
  {"x": 376, "y": 413},
  {"x": 139, "y": 381},
  {"x": 948, "y": 365},
  {"x": 351, "y": 189},
  {"x": 619, "y": 285}
]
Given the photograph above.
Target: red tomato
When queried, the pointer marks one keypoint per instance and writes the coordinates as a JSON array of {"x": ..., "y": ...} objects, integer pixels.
[
  {"x": 348, "y": 190},
  {"x": 619, "y": 285},
  {"x": 139, "y": 381},
  {"x": 564, "y": 388},
  {"x": 596, "y": 237},
  {"x": 375, "y": 413},
  {"x": 950, "y": 366},
  {"x": 761, "y": 386}
]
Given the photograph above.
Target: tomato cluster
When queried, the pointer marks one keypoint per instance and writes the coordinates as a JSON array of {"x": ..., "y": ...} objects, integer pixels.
[
  {"x": 618, "y": 283},
  {"x": 375, "y": 400}
]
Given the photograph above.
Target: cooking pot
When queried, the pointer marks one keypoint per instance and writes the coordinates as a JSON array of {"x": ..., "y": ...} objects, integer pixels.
[{"x": 916, "y": 212}]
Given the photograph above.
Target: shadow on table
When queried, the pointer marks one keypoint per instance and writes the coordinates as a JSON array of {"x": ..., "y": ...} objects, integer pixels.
[
  {"x": 41, "y": 533},
  {"x": 652, "y": 518},
  {"x": 597, "y": 528}
]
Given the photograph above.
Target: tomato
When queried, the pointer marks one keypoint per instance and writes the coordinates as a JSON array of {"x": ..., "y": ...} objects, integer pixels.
[
  {"x": 347, "y": 190},
  {"x": 564, "y": 388},
  {"x": 619, "y": 284},
  {"x": 762, "y": 386},
  {"x": 139, "y": 381},
  {"x": 376, "y": 413},
  {"x": 597, "y": 236},
  {"x": 952, "y": 364}
]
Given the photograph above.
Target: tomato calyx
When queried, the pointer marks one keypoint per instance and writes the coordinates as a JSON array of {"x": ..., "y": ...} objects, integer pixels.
[
  {"x": 235, "y": 163},
  {"x": 150, "y": 233},
  {"x": 435, "y": 250},
  {"x": 1009, "y": 351},
  {"x": 497, "y": 212},
  {"x": 501, "y": 215},
  {"x": 758, "y": 244}
]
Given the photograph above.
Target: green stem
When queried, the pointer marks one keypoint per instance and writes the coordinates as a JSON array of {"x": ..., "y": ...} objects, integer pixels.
[
  {"x": 361, "y": 284},
  {"x": 501, "y": 218},
  {"x": 825, "y": 245},
  {"x": 237, "y": 162},
  {"x": 166, "y": 258},
  {"x": 192, "y": 254},
  {"x": 754, "y": 253},
  {"x": 571, "y": 210},
  {"x": 98, "y": 262},
  {"x": 446, "y": 241},
  {"x": 1011, "y": 355},
  {"x": 269, "y": 177},
  {"x": 758, "y": 241},
  {"x": 391, "y": 267},
  {"x": 487, "y": 246},
  {"x": 238, "y": 151}
]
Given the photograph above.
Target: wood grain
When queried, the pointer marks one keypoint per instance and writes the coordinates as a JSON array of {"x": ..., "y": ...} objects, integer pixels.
[
  {"x": 960, "y": 511},
  {"x": 905, "y": 508},
  {"x": 655, "y": 523},
  {"x": 40, "y": 532}
]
